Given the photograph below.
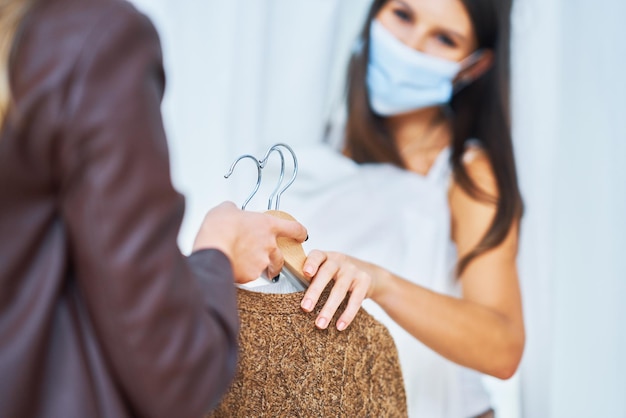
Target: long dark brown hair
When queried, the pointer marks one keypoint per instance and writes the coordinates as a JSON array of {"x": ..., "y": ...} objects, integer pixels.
[{"x": 478, "y": 111}]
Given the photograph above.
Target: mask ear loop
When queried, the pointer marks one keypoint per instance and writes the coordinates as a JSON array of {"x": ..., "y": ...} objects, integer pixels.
[
  {"x": 472, "y": 59},
  {"x": 466, "y": 63}
]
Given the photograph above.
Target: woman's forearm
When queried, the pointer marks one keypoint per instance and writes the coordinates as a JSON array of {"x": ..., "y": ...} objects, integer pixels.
[{"x": 465, "y": 332}]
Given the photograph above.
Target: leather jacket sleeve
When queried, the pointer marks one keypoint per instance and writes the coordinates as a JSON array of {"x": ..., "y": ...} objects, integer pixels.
[{"x": 166, "y": 323}]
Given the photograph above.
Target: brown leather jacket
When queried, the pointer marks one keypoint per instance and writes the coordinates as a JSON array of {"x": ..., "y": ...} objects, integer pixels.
[{"x": 100, "y": 313}]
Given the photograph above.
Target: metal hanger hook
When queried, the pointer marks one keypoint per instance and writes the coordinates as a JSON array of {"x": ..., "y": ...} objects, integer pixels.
[
  {"x": 263, "y": 163},
  {"x": 258, "y": 181},
  {"x": 278, "y": 192}
]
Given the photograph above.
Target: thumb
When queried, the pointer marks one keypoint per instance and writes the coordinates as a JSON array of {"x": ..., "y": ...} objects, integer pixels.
[
  {"x": 291, "y": 229},
  {"x": 287, "y": 226}
]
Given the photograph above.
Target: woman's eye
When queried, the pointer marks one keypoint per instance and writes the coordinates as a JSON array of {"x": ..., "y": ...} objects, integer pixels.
[
  {"x": 446, "y": 40},
  {"x": 403, "y": 15}
]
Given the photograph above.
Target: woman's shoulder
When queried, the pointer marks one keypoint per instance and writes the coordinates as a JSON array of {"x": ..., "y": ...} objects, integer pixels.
[
  {"x": 476, "y": 200},
  {"x": 479, "y": 169},
  {"x": 473, "y": 206}
]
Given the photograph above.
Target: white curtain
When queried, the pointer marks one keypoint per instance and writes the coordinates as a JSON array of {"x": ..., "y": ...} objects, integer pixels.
[
  {"x": 243, "y": 74},
  {"x": 570, "y": 117}
]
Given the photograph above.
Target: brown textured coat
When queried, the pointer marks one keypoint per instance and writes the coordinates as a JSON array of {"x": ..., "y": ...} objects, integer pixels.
[{"x": 289, "y": 368}]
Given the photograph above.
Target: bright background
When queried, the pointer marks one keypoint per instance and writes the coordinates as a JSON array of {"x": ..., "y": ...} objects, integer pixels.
[{"x": 243, "y": 74}]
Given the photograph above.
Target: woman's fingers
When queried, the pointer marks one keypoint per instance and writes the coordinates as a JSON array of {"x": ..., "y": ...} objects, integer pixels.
[
  {"x": 337, "y": 295},
  {"x": 313, "y": 262},
  {"x": 324, "y": 267},
  {"x": 357, "y": 296},
  {"x": 349, "y": 279},
  {"x": 324, "y": 274}
]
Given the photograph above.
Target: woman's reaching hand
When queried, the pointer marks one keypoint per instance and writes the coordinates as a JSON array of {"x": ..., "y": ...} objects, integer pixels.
[{"x": 322, "y": 267}]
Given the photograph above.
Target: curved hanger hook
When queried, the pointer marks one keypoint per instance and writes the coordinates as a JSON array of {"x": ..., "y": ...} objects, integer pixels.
[
  {"x": 263, "y": 162},
  {"x": 258, "y": 181}
]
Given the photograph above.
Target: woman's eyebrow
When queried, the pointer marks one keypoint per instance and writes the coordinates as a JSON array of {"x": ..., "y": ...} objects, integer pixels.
[{"x": 405, "y": 4}]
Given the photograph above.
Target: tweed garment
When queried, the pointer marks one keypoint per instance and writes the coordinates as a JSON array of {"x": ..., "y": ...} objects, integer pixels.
[
  {"x": 289, "y": 368},
  {"x": 400, "y": 221}
]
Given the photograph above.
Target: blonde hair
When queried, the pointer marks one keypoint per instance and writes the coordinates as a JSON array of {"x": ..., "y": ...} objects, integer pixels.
[{"x": 11, "y": 14}]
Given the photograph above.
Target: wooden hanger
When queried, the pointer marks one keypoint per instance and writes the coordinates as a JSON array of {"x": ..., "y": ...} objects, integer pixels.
[{"x": 292, "y": 251}]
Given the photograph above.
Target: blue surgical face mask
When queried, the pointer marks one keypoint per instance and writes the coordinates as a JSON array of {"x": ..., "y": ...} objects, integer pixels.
[{"x": 401, "y": 79}]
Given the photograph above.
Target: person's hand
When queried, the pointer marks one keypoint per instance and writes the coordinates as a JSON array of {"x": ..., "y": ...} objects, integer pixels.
[
  {"x": 248, "y": 239},
  {"x": 322, "y": 267}
]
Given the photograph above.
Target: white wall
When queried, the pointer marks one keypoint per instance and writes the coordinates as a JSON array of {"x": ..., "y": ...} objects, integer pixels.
[
  {"x": 590, "y": 209},
  {"x": 243, "y": 74},
  {"x": 571, "y": 139},
  {"x": 536, "y": 102}
]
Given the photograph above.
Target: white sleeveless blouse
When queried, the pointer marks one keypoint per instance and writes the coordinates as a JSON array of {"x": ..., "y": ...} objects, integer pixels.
[{"x": 401, "y": 221}]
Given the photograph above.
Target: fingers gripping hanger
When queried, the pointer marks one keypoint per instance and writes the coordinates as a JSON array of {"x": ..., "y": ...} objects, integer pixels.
[{"x": 292, "y": 250}]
